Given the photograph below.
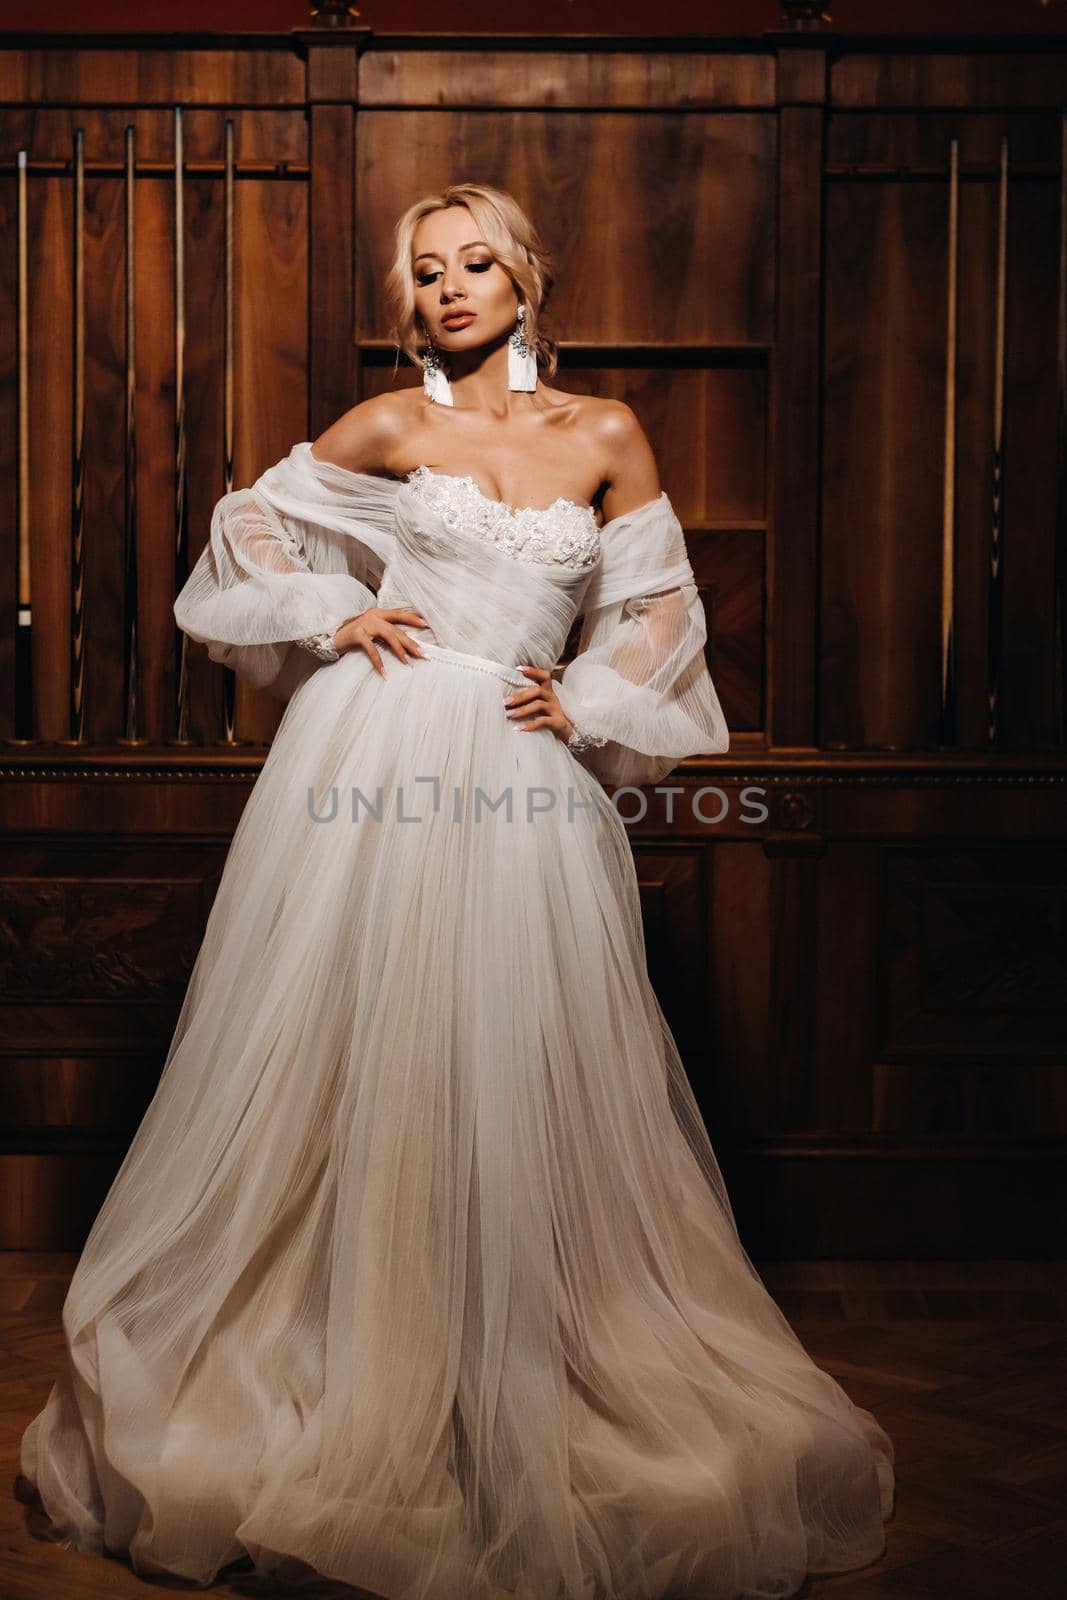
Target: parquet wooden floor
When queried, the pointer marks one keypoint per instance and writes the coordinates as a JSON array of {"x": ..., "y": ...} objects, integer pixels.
[{"x": 963, "y": 1363}]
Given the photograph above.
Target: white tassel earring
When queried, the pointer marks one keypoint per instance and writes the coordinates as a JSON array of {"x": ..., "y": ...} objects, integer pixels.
[
  {"x": 522, "y": 363},
  {"x": 435, "y": 382}
]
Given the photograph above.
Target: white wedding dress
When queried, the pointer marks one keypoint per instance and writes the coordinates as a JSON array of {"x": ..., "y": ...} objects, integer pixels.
[{"x": 420, "y": 1274}]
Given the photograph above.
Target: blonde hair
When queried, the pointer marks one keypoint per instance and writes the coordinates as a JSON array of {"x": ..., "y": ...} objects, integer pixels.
[{"x": 514, "y": 241}]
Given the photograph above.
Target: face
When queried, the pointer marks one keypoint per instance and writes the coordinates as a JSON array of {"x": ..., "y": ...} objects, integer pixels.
[{"x": 455, "y": 271}]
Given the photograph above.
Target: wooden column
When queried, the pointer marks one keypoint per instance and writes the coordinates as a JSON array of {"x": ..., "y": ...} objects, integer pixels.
[{"x": 332, "y": 78}]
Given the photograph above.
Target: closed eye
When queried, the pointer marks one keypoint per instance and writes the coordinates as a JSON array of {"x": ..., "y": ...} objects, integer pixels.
[{"x": 472, "y": 266}]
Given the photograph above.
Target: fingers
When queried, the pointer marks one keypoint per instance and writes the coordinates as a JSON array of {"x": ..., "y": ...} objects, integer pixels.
[
  {"x": 537, "y": 707},
  {"x": 403, "y": 645},
  {"x": 533, "y": 715},
  {"x": 400, "y": 643},
  {"x": 541, "y": 675},
  {"x": 412, "y": 645}
]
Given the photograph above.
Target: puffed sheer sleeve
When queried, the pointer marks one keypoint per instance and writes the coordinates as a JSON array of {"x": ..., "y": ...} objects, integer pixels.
[
  {"x": 639, "y": 685},
  {"x": 287, "y": 562}
]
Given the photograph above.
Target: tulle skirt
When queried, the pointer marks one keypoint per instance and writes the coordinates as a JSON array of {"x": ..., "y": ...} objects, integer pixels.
[{"x": 419, "y": 1273}]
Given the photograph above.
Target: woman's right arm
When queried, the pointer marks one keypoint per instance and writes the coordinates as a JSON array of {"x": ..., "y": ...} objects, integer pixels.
[
  {"x": 252, "y": 594},
  {"x": 290, "y": 562}
]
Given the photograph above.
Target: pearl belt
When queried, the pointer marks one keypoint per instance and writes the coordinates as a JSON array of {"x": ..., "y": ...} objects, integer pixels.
[{"x": 462, "y": 658}]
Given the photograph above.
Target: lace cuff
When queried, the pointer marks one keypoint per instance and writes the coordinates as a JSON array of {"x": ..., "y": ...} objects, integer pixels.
[
  {"x": 581, "y": 740},
  {"x": 320, "y": 645}
]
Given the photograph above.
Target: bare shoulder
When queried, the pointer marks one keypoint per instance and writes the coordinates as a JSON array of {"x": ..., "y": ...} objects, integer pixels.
[
  {"x": 365, "y": 438},
  {"x": 630, "y": 471},
  {"x": 614, "y": 423}
]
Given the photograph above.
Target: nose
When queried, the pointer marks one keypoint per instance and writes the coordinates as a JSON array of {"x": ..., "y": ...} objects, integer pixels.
[{"x": 451, "y": 287}]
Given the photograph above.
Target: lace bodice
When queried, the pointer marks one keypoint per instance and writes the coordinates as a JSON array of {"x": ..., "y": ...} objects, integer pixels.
[{"x": 564, "y": 533}]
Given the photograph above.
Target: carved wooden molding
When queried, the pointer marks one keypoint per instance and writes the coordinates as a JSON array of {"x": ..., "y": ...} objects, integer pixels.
[
  {"x": 793, "y": 778},
  {"x": 803, "y": 15},
  {"x": 333, "y": 14}
]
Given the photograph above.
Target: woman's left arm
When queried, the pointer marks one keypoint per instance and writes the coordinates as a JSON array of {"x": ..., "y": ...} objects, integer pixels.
[{"x": 639, "y": 693}]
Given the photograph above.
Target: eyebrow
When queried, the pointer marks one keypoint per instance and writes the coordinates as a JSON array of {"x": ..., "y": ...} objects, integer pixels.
[{"x": 424, "y": 254}]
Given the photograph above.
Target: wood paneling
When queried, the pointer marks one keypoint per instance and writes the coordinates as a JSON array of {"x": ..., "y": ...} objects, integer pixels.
[
  {"x": 272, "y": 135},
  {"x": 205, "y": 245},
  {"x": 884, "y": 362},
  {"x": 728, "y": 566},
  {"x": 582, "y": 79},
  {"x": 104, "y": 477},
  {"x": 883, "y": 430},
  {"x": 98, "y": 75},
  {"x": 271, "y": 305},
  {"x": 793, "y": 544},
  {"x": 333, "y": 363},
  {"x": 959, "y": 78},
  {"x": 976, "y": 952},
  {"x": 694, "y": 274}
]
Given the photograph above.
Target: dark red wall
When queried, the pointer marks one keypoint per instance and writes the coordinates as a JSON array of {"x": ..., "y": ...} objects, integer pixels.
[{"x": 538, "y": 16}]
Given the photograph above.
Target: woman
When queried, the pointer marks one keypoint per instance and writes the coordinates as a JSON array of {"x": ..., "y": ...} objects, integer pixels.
[{"x": 420, "y": 1273}]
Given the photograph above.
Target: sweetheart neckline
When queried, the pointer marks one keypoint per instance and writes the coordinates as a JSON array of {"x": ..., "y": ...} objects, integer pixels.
[
  {"x": 465, "y": 477},
  {"x": 388, "y": 483}
]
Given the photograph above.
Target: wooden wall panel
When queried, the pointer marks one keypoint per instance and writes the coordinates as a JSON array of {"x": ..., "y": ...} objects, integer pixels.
[
  {"x": 738, "y": 1050},
  {"x": 50, "y": 278},
  {"x": 205, "y": 422},
  {"x": 53, "y": 1095},
  {"x": 629, "y": 271},
  {"x": 960, "y": 78},
  {"x": 884, "y": 421},
  {"x": 271, "y": 373},
  {"x": 840, "y": 1075},
  {"x": 46, "y": 1200},
  {"x": 729, "y": 571},
  {"x": 103, "y": 75},
  {"x": 976, "y": 951},
  {"x": 586, "y": 79},
  {"x": 270, "y": 135},
  {"x": 274, "y": 313},
  {"x": 154, "y": 397},
  {"x": 264, "y": 138},
  {"x": 882, "y": 454},
  {"x": 106, "y": 618},
  {"x": 792, "y": 546},
  {"x": 883, "y": 431},
  {"x": 890, "y": 140},
  {"x": 1029, "y": 718}
]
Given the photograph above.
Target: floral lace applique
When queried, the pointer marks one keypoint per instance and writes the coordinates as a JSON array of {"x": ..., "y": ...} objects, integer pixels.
[{"x": 564, "y": 533}]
